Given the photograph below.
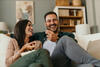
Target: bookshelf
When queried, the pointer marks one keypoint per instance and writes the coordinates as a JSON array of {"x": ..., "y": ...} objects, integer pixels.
[{"x": 69, "y": 16}]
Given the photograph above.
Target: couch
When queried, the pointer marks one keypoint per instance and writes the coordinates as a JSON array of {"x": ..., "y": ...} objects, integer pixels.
[
  {"x": 4, "y": 40},
  {"x": 91, "y": 43},
  {"x": 94, "y": 48},
  {"x": 88, "y": 42}
]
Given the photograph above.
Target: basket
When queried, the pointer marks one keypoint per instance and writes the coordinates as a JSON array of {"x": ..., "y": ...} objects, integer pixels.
[
  {"x": 76, "y": 3},
  {"x": 62, "y": 2}
]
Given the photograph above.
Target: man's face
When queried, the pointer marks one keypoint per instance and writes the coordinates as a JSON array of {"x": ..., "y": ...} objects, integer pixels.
[{"x": 52, "y": 22}]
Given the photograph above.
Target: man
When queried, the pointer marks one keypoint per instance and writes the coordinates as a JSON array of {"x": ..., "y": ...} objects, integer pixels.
[{"x": 65, "y": 46}]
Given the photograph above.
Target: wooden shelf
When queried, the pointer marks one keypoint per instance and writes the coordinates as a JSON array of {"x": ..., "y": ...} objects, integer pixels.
[
  {"x": 69, "y": 16},
  {"x": 70, "y": 7},
  {"x": 72, "y": 17},
  {"x": 67, "y": 30},
  {"x": 67, "y": 26}
]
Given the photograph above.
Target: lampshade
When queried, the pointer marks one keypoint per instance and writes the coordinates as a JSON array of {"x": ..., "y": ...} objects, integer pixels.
[
  {"x": 82, "y": 29},
  {"x": 3, "y": 26}
]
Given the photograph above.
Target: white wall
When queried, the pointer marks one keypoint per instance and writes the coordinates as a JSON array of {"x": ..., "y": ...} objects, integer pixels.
[
  {"x": 90, "y": 12},
  {"x": 93, "y": 15},
  {"x": 97, "y": 12},
  {"x": 8, "y": 12}
]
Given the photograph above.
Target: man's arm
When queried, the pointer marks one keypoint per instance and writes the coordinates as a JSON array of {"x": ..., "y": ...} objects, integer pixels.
[{"x": 41, "y": 36}]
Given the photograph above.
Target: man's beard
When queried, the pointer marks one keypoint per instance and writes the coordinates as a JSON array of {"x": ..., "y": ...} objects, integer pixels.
[{"x": 49, "y": 28}]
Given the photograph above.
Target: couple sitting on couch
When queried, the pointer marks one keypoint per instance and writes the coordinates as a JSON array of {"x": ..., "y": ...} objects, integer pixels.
[{"x": 62, "y": 47}]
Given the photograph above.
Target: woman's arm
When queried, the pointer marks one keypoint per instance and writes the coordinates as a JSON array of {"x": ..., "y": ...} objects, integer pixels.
[{"x": 12, "y": 52}]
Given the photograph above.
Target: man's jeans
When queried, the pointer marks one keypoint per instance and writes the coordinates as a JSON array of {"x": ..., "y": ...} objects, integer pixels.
[
  {"x": 85, "y": 65},
  {"x": 68, "y": 48}
]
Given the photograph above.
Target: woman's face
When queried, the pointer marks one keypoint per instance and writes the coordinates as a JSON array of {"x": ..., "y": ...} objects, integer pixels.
[{"x": 29, "y": 29}]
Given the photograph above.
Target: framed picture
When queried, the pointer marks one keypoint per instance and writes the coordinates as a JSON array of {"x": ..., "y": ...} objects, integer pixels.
[{"x": 25, "y": 10}]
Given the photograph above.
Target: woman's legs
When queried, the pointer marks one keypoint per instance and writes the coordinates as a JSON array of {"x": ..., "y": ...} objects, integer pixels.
[{"x": 37, "y": 58}]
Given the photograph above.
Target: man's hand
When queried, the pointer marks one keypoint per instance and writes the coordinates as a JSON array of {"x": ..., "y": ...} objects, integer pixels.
[{"x": 51, "y": 35}]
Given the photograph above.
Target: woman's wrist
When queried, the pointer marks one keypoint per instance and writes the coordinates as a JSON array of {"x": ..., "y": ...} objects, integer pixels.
[{"x": 22, "y": 49}]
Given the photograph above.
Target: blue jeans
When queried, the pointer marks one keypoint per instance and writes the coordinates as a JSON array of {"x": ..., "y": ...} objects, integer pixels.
[
  {"x": 85, "y": 65},
  {"x": 67, "y": 49}
]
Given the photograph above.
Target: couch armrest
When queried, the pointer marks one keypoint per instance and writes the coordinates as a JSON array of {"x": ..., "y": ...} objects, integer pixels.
[
  {"x": 94, "y": 48},
  {"x": 83, "y": 40},
  {"x": 4, "y": 41}
]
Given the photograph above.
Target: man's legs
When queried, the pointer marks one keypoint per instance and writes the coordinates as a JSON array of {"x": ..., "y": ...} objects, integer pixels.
[
  {"x": 85, "y": 65},
  {"x": 67, "y": 47}
]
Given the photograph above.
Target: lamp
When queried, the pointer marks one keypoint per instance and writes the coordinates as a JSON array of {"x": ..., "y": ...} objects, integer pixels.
[
  {"x": 82, "y": 29},
  {"x": 3, "y": 27}
]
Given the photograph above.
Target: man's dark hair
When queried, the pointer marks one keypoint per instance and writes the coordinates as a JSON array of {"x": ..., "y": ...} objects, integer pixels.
[
  {"x": 19, "y": 31},
  {"x": 48, "y": 13}
]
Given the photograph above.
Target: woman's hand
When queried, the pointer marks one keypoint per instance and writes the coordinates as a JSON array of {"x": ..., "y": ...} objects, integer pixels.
[
  {"x": 29, "y": 46},
  {"x": 37, "y": 44},
  {"x": 34, "y": 45},
  {"x": 26, "y": 47}
]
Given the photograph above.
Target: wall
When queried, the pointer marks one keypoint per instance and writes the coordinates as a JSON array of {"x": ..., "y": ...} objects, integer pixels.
[
  {"x": 97, "y": 14},
  {"x": 93, "y": 14},
  {"x": 8, "y": 12},
  {"x": 90, "y": 13}
]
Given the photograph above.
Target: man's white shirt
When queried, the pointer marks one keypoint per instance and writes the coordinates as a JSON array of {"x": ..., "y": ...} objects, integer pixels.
[{"x": 49, "y": 45}]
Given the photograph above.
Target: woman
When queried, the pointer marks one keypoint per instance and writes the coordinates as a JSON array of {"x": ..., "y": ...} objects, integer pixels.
[{"x": 21, "y": 43}]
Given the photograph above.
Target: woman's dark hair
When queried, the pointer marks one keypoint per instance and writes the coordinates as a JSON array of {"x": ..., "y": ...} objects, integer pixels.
[{"x": 19, "y": 31}]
